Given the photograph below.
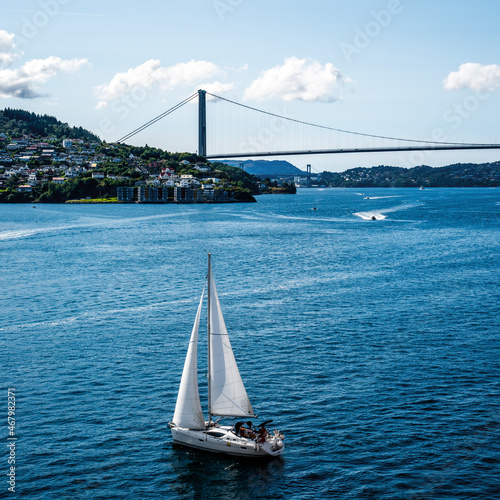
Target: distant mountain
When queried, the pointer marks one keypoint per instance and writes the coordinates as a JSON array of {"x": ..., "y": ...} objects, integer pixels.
[{"x": 266, "y": 168}]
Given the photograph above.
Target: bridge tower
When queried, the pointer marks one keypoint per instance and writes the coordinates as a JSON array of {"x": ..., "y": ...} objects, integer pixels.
[{"x": 202, "y": 123}]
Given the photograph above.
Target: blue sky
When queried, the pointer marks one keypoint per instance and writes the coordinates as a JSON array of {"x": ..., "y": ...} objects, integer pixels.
[{"x": 399, "y": 68}]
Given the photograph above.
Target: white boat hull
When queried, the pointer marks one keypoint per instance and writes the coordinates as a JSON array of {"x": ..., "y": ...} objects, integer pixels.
[{"x": 220, "y": 439}]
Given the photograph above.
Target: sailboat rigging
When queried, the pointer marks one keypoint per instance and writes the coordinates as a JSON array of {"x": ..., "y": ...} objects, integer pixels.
[{"x": 227, "y": 396}]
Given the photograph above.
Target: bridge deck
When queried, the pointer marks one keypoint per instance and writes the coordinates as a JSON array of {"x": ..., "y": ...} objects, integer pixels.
[{"x": 356, "y": 150}]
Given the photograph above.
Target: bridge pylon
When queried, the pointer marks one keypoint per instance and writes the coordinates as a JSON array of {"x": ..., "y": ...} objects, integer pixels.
[{"x": 202, "y": 123}]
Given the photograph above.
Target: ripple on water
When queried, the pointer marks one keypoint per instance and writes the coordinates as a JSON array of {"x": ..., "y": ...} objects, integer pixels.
[{"x": 374, "y": 347}]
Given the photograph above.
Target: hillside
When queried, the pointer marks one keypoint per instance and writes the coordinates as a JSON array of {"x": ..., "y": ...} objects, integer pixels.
[
  {"x": 39, "y": 163},
  {"x": 16, "y": 123},
  {"x": 456, "y": 175}
]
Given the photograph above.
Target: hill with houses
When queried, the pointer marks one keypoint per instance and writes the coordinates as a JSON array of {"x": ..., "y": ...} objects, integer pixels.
[{"x": 44, "y": 160}]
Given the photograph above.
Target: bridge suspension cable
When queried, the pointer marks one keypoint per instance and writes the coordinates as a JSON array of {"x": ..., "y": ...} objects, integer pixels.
[
  {"x": 373, "y": 136},
  {"x": 158, "y": 118}
]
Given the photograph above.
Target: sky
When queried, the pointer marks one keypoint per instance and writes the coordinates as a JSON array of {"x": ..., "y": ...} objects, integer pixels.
[{"x": 416, "y": 69}]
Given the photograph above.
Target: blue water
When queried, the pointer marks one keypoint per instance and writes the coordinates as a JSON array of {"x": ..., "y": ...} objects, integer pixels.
[{"x": 373, "y": 344}]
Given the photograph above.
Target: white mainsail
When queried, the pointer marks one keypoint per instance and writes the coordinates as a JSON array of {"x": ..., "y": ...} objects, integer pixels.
[
  {"x": 188, "y": 407},
  {"x": 228, "y": 396}
]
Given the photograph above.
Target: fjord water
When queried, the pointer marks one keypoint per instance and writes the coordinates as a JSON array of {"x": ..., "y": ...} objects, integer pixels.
[{"x": 373, "y": 344}]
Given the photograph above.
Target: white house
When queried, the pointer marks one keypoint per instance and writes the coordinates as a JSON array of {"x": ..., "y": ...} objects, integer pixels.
[
  {"x": 72, "y": 172},
  {"x": 32, "y": 180},
  {"x": 10, "y": 172},
  {"x": 203, "y": 168},
  {"x": 166, "y": 173},
  {"x": 79, "y": 160}
]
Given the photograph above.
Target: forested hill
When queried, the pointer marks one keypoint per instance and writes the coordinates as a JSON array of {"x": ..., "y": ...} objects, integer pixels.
[
  {"x": 456, "y": 175},
  {"x": 17, "y": 122}
]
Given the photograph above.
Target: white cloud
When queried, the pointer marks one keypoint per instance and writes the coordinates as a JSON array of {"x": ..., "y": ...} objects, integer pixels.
[
  {"x": 152, "y": 73},
  {"x": 216, "y": 88},
  {"x": 102, "y": 105},
  {"x": 23, "y": 82},
  {"x": 241, "y": 69},
  {"x": 474, "y": 76},
  {"x": 298, "y": 79},
  {"x": 7, "y": 48}
]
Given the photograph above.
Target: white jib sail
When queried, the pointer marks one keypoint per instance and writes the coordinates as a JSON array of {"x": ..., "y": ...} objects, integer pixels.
[
  {"x": 228, "y": 395},
  {"x": 188, "y": 407}
]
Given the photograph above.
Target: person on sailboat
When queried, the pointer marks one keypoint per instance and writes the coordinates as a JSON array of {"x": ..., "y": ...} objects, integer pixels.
[
  {"x": 237, "y": 428},
  {"x": 251, "y": 432},
  {"x": 262, "y": 434}
]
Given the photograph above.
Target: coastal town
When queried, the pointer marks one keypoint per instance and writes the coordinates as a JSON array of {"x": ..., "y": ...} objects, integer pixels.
[{"x": 32, "y": 169}]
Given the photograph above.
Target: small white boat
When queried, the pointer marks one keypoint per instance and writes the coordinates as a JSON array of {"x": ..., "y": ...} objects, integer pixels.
[{"x": 227, "y": 396}]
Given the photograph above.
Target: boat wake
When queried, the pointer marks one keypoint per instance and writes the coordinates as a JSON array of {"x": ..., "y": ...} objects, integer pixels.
[
  {"x": 371, "y": 215},
  {"x": 27, "y": 233},
  {"x": 381, "y": 214},
  {"x": 96, "y": 315},
  {"x": 89, "y": 222},
  {"x": 383, "y": 197}
]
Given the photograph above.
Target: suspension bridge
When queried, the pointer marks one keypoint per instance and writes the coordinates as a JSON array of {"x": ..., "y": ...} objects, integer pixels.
[{"x": 242, "y": 131}]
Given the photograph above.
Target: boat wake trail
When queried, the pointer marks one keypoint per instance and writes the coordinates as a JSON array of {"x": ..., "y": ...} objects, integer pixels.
[
  {"x": 373, "y": 215},
  {"x": 382, "y": 197},
  {"x": 84, "y": 222},
  {"x": 381, "y": 214}
]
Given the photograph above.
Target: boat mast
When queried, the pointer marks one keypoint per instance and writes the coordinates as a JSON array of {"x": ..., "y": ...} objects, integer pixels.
[{"x": 208, "y": 336}]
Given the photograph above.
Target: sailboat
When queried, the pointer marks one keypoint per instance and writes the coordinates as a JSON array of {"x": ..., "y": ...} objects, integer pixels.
[{"x": 227, "y": 396}]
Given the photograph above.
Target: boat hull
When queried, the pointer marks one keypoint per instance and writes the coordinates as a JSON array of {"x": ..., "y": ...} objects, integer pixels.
[{"x": 221, "y": 440}]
